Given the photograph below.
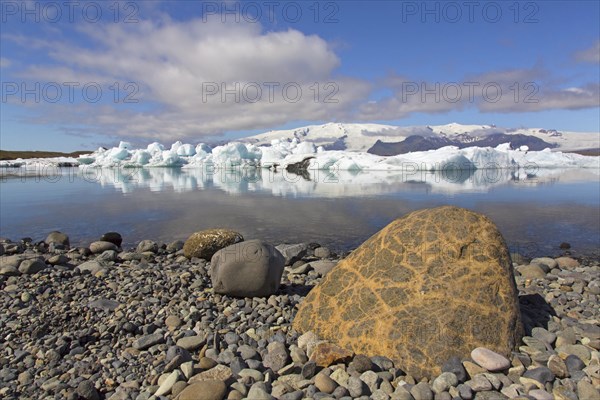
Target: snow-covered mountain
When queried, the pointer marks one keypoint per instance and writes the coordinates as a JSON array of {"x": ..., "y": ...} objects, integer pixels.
[{"x": 361, "y": 137}]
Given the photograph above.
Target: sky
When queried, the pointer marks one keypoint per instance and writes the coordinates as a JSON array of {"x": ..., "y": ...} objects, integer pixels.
[{"x": 82, "y": 74}]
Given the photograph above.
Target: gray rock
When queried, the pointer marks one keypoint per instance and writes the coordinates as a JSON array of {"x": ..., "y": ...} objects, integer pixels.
[
  {"x": 256, "y": 376},
  {"x": 490, "y": 396},
  {"x": 357, "y": 388},
  {"x": 101, "y": 246},
  {"x": 87, "y": 391},
  {"x": 297, "y": 395},
  {"x": 574, "y": 363},
  {"x": 371, "y": 379},
  {"x": 540, "y": 374},
  {"x": 443, "y": 382},
  {"x": 175, "y": 246},
  {"x": 148, "y": 341},
  {"x": 57, "y": 237},
  {"x": 421, "y": 391},
  {"x": 176, "y": 351},
  {"x": 465, "y": 391},
  {"x": 108, "y": 255},
  {"x": 547, "y": 262},
  {"x": 258, "y": 392},
  {"x": 58, "y": 259},
  {"x": 322, "y": 267},
  {"x": 403, "y": 393},
  {"x": 247, "y": 352},
  {"x": 308, "y": 370},
  {"x": 191, "y": 342},
  {"x": 9, "y": 270},
  {"x": 531, "y": 271},
  {"x": 30, "y": 267},
  {"x": 383, "y": 363},
  {"x": 322, "y": 252},
  {"x": 92, "y": 267},
  {"x": 360, "y": 363},
  {"x": 455, "y": 366},
  {"x": 543, "y": 335},
  {"x": 277, "y": 356},
  {"x": 292, "y": 252},
  {"x": 247, "y": 269},
  {"x": 479, "y": 383},
  {"x": 147, "y": 245},
  {"x": 104, "y": 304}
]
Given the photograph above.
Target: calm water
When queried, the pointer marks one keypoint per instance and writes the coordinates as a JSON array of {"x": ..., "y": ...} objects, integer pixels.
[{"x": 535, "y": 213}]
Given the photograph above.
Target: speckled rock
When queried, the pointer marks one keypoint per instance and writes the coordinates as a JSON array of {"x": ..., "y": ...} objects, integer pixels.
[
  {"x": 432, "y": 285},
  {"x": 205, "y": 244}
]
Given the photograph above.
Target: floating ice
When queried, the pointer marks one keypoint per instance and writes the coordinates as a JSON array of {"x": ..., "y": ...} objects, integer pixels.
[{"x": 282, "y": 153}]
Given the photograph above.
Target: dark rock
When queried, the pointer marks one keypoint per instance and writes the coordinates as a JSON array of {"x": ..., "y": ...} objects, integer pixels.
[
  {"x": 112, "y": 237},
  {"x": 540, "y": 374},
  {"x": 455, "y": 366}
]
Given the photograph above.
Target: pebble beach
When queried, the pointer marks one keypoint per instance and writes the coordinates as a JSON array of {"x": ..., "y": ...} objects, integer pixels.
[{"x": 102, "y": 322}]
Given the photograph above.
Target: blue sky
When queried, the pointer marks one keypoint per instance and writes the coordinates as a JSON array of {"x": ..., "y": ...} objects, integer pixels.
[{"x": 78, "y": 75}]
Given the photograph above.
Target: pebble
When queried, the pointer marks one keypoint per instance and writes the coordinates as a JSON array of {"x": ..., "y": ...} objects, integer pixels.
[
  {"x": 324, "y": 383},
  {"x": 147, "y": 341},
  {"x": 540, "y": 374},
  {"x": 168, "y": 383},
  {"x": 205, "y": 390},
  {"x": 421, "y": 391},
  {"x": 148, "y": 326},
  {"x": 191, "y": 342},
  {"x": 490, "y": 360},
  {"x": 443, "y": 382}
]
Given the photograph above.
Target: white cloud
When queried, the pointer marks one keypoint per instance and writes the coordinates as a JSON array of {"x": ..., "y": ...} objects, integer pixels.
[
  {"x": 4, "y": 62},
  {"x": 591, "y": 55},
  {"x": 179, "y": 64},
  {"x": 514, "y": 91}
]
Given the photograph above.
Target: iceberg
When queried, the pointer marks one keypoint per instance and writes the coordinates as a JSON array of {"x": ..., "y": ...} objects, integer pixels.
[{"x": 282, "y": 153}]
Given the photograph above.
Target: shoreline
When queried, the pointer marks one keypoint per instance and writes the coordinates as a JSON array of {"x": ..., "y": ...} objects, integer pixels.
[{"x": 147, "y": 323}]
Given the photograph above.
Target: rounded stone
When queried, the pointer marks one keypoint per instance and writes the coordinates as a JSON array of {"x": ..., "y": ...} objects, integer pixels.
[
  {"x": 247, "y": 269},
  {"x": 87, "y": 391},
  {"x": 112, "y": 237},
  {"x": 31, "y": 266},
  {"x": 205, "y": 244},
  {"x": 57, "y": 237},
  {"x": 490, "y": 360},
  {"x": 204, "y": 390},
  {"x": 324, "y": 383},
  {"x": 443, "y": 382},
  {"x": 432, "y": 285},
  {"x": 101, "y": 246}
]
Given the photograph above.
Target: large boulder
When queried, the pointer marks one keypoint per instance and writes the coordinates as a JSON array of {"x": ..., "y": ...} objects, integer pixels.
[
  {"x": 428, "y": 287},
  {"x": 205, "y": 244},
  {"x": 247, "y": 269}
]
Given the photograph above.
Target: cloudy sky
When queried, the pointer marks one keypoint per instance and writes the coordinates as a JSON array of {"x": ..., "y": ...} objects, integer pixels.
[{"x": 77, "y": 75}]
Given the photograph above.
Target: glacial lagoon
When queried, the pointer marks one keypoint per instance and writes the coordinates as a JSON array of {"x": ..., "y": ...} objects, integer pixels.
[{"x": 535, "y": 210}]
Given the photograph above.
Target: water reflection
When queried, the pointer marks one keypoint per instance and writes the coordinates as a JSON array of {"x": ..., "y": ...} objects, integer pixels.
[
  {"x": 320, "y": 183},
  {"x": 534, "y": 211}
]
